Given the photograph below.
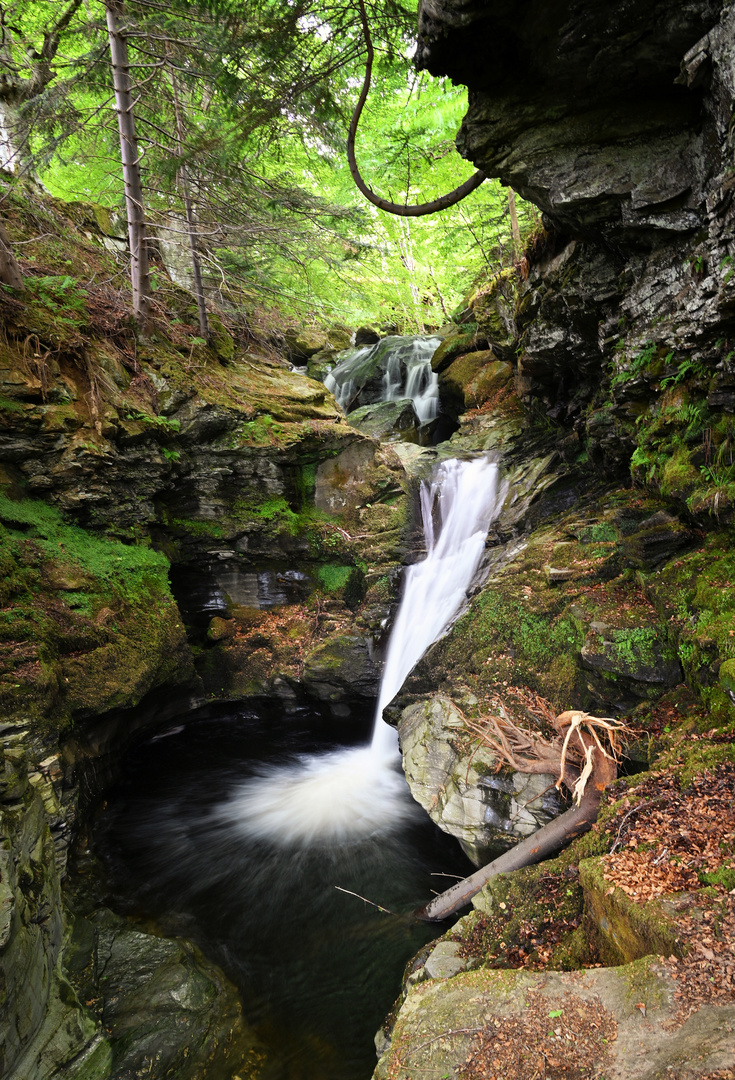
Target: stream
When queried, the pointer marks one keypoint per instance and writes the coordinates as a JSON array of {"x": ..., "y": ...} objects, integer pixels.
[{"x": 256, "y": 832}]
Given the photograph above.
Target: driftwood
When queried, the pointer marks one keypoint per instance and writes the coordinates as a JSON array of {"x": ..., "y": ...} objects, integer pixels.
[
  {"x": 383, "y": 204},
  {"x": 585, "y": 754}
]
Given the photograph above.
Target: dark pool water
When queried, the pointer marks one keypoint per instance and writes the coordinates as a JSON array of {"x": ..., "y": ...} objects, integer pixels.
[{"x": 318, "y": 969}]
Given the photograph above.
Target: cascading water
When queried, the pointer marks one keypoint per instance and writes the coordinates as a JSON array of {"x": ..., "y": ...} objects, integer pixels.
[
  {"x": 405, "y": 363},
  {"x": 352, "y": 793},
  {"x": 252, "y": 861},
  {"x": 465, "y": 497}
]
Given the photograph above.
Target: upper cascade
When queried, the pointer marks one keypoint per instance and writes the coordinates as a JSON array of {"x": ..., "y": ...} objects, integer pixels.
[{"x": 395, "y": 369}]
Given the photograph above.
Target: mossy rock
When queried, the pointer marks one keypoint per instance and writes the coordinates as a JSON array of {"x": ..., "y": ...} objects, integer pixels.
[
  {"x": 624, "y": 929},
  {"x": 321, "y": 363},
  {"x": 304, "y": 342},
  {"x": 462, "y": 340},
  {"x": 625, "y": 661},
  {"x": 341, "y": 669},
  {"x": 471, "y": 380},
  {"x": 221, "y": 339}
]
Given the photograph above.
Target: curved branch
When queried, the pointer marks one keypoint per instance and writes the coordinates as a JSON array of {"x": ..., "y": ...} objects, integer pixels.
[{"x": 390, "y": 207}]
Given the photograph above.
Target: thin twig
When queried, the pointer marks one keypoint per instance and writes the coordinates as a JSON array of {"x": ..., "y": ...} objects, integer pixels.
[
  {"x": 380, "y": 907},
  {"x": 630, "y": 813}
]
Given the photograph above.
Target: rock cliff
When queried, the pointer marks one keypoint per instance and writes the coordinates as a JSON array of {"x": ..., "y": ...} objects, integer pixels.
[{"x": 616, "y": 121}]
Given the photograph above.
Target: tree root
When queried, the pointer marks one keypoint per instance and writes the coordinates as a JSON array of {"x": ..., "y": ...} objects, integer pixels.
[
  {"x": 598, "y": 761},
  {"x": 400, "y": 209}
]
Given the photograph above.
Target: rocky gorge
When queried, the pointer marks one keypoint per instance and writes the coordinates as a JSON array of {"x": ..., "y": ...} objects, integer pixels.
[{"x": 187, "y": 524}]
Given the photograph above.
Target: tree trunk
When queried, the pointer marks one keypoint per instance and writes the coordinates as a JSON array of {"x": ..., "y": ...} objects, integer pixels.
[
  {"x": 9, "y": 270},
  {"x": 540, "y": 845},
  {"x": 139, "y": 271},
  {"x": 12, "y": 139},
  {"x": 16, "y": 90},
  {"x": 514, "y": 226},
  {"x": 190, "y": 219}
]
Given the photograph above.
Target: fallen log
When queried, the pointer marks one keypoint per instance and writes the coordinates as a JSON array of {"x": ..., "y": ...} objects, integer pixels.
[{"x": 540, "y": 845}]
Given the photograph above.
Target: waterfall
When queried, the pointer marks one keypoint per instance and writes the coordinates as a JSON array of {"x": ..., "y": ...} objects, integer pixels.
[
  {"x": 464, "y": 496},
  {"x": 406, "y": 366},
  {"x": 347, "y": 794}
]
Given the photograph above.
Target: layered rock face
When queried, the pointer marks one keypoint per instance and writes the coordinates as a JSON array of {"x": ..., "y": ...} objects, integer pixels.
[
  {"x": 178, "y": 522},
  {"x": 581, "y": 106},
  {"x": 614, "y": 120}
]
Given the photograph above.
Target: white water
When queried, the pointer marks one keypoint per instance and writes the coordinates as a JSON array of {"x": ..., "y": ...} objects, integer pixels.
[
  {"x": 406, "y": 363},
  {"x": 350, "y": 794}
]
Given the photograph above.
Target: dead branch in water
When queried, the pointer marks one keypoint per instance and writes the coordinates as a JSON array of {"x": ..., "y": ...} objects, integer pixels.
[{"x": 385, "y": 910}]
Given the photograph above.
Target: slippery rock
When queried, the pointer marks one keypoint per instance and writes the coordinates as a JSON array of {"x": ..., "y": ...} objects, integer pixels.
[
  {"x": 460, "y": 786},
  {"x": 340, "y": 670},
  {"x": 387, "y": 421}
]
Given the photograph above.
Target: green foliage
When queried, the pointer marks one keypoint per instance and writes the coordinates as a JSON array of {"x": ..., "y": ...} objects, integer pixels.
[
  {"x": 724, "y": 876},
  {"x": 640, "y": 363},
  {"x": 252, "y": 101},
  {"x": 199, "y": 528},
  {"x": 128, "y": 570},
  {"x": 59, "y": 300},
  {"x": 163, "y": 423},
  {"x": 688, "y": 368},
  {"x": 498, "y": 618}
]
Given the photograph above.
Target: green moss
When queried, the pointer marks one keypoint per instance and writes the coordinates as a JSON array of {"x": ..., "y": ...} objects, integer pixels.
[
  {"x": 624, "y": 930},
  {"x": 199, "y": 528},
  {"x": 333, "y": 578},
  {"x": 680, "y": 476},
  {"x": 644, "y": 984},
  {"x": 601, "y": 532},
  {"x": 89, "y": 620},
  {"x": 543, "y": 645},
  {"x": 128, "y": 569}
]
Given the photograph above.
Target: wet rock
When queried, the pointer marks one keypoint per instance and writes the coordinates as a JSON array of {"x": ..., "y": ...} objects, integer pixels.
[
  {"x": 387, "y": 421},
  {"x": 456, "y": 342},
  {"x": 460, "y": 786},
  {"x": 493, "y": 309},
  {"x": 163, "y": 1002},
  {"x": 340, "y": 670},
  {"x": 321, "y": 363},
  {"x": 582, "y": 77},
  {"x": 42, "y": 1025}
]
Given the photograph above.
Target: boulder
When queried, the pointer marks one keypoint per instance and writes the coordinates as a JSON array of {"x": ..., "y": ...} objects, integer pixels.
[
  {"x": 618, "y": 1020},
  {"x": 387, "y": 421},
  {"x": 471, "y": 380},
  {"x": 458, "y": 782},
  {"x": 459, "y": 340},
  {"x": 321, "y": 363},
  {"x": 366, "y": 335},
  {"x": 304, "y": 342},
  {"x": 629, "y": 664},
  {"x": 341, "y": 670}
]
